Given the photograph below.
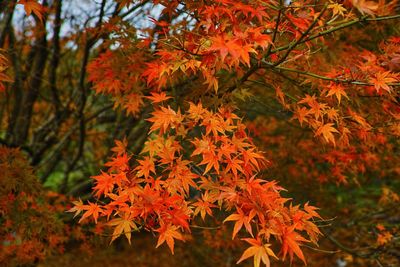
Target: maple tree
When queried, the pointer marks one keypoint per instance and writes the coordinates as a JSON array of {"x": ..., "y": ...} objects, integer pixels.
[
  {"x": 200, "y": 106},
  {"x": 31, "y": 226}
]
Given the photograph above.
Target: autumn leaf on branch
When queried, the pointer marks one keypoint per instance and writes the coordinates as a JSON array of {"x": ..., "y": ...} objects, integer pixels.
[
  {"x": 327, "y": 130},
  {"x": 78, "y": 207},
  {"x": 382, "y": 81},
  {"x": 241, "y": 219},
  {"x": 259, "y": 251},
  {"x": 201, "y": 89},
  {"x": 164, "y": 119},
  {"x": 337, "y": 90},
  {"x": 167, "y": 234},
  {"x": 120, "y": 147},
  {"x": 291, "y": 244},
  {"x": 32, "y": 6},
  {"x": 158, "y": 97},
  {"x": 122, "y": 226},
  {"x": 159, "y": 183}
]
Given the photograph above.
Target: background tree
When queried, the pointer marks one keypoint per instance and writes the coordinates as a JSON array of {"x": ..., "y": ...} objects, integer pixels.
[{"x": 316, "y": 83}]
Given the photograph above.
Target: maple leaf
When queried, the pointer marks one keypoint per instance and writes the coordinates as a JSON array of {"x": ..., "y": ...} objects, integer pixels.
[
  {"x": 384, "y": 238},
  {"x": 214, "y": 123},
  {"x": 360, "y": 120},
  {"x": 309, "y": 100},
  {"x": 253, "y": 157},
  {"x": 311, "y": 210},
  {"x": 203, "y": 206},
  {"x": 259, "y": 251},
  {"x": 260, "y": 39},
  {"x": 337, "y": 9},
  {"x": 156, "y": 73},
  {"x": 280, "y": 95},
  {"x": 332, "y": 114},
  {"x": 92, "y": 210},
  {"x": 104, "y": 183},
  {"x": 153, "y": 146},
  {"x": 327, "y": 131},
  {"x": 158, "y": 97},
  {"x": 120, "y": 163},
  {"x": 241, "y": 219},
  {"x": 337, "y": 90},
  {"x": 78, "y": 207},
  {"x": 167, "y": 234},
  {"x": 301, "y": 114},
  {"x": 381, "y": 80},
  {"x": 317, "y": 109},
  {"x": 202, "y": 145},
  {"x": 180, "y": 177},
  {"x": 119, "y": 178},
  {"x": 220, "y": 44},
  {"x": 168, "y": 151},
  {"x": 226, "y": 150},
  {"x": 291, "y": 244},
  {"x": 196, "y": 112},
  {"x": 33, "y": 6},
  {"x": 120, "y": 146},
  {"x": 133, "y": 102},
  {"x": 300, "y": 22},
  {"x": 122, "y": 225},
  {"x": 165, "y": 118},
  {"x": 225, "y": 45},
  {"x": 145, "y": 167},
  {"x": 212, "y": 160},
  {"x": 234, "y": 165},
  {"x": 210, "y": 79}
]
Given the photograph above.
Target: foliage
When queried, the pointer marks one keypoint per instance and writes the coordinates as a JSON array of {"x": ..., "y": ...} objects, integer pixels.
[
  {"x": 208, "y": 152},
  {"x": 32, "y": 223},
  {"x": 28, "y": 228},
  {"x": 192, "y": 92}
]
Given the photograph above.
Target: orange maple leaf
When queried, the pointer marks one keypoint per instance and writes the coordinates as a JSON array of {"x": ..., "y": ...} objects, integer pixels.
[
  {"x": 259, "y": 251},
  {"x": 241, "y": 219},
  {"x": 214, "y": 123},
  {"x": 168, "y": 233},
  {"x": 93, "y": 210},
  {"x": 145, "y": 167},
  {"x": 32, "y": 6},
  {"x": 120, "y": 146},
  {"x": 78, "y": 207},
  {"x": 122, "y": 225},
  {"x": 382, "y": 80},
  {"x": 120, "y": 162},
  {"x": 225, "y": 45},
  {"x": 327, "y": 132},
  {"x": 253, "y": 157},
  {"x": 104, "y": 183},
  {"x": 203, "y": 206},
  {"x": 234, "y": 165},
  {"x": 165, "y": 118},
  {"x": 158, "y": 97},
  {"x": 337, "y": 90},
  {"x": 301, "y": 114},
  {"x": 291, "y": 244},
  {"x": 132, "y": 104},
  {"x": 212, "y": 160}
]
